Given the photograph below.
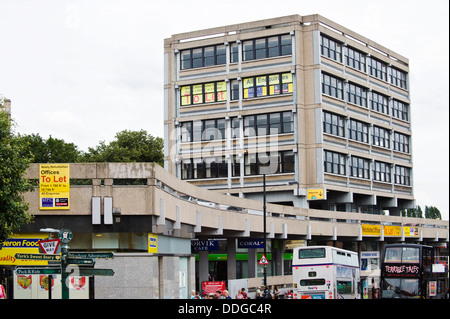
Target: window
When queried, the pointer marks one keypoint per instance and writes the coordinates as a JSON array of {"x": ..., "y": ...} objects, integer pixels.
[
  {"x": 331, "y": 48},
  {"x": 402, "y": 255},
  {"x": 400, "y": 288},
  {"x": 213, "y": 130},
  {"x": 401, "y": 142},
  {"x": 312, "y": 282},
  {"x": 377, "y": 68},
  {"x": 205, "y": 130},
  {"x": 382, "y": 172},
  {"x": 333, "y": 124},
  {"x": 311, "y": 253},
  {"x": 380, "y": 137},
  {"x": 267, "y": 47},
  {"x": 400, "y": 110},
  {"x": 267, "y": 85},
  {"x": 186, "y": 132},
  {"x": 356, "y": 94},
  {"x": 203, "y": 93},
  {"x": 358, "y": 131},
  {"x": 235, "y": 127},
  {"x": 236, "y": 169},
  {"x": 334, "y": 163},
  {"x": 234, "y": 53},
  {"x": 379, "y": 103},
  {"x": 359, "y": 167},
  {"x": 234, "y": 90},
  {"x": 201, "y": 57},
  {"x": 186, "y": 169},
  {"x": 271, "y": 123},
  {"x": 402, "y": 175},
  {"x": 275, "y": 162},
  {"x": 210, "y": 167},
  {"x": 397, "y": 77},
  {"x": 355, "y": 59},
  {"x": 332, "y": 86}
]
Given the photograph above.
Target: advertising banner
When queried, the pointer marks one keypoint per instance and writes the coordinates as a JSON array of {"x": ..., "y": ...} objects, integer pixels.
[
  {"x": 24, "y": 244},
  {"x": 54, "y": 187}
]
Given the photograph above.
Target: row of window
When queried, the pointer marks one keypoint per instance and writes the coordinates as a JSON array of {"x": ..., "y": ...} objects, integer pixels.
[
  {"x": 254, "y": 125},
  {"x": 254, "y": 49},
  {"x": 257, "y": 86},
  {"x": 359, "y": 131},
  {"x": 356, "y": 94},
  {"x": 360, "y": 61},
  {"x": 254, "y": 164},
  {"x": 336, "y": 163}
]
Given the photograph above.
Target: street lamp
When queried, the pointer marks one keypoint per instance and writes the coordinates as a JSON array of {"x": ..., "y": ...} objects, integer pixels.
[{"x": 264, "y": 230}]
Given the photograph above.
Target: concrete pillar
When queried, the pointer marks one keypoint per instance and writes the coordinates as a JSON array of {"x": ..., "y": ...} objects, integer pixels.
[
  {"x": 252, "y": 263},
  {"x": 203, "y": 267},
  {"x": 231, "y": 258},
  {"x": 279, "y": 260}
]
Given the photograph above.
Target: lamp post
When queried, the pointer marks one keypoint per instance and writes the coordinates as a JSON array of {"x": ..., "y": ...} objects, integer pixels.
[{"x": 264, "y": 230}]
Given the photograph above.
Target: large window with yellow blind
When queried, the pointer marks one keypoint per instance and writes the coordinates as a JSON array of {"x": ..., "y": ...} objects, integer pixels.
[
  {"x": 267, "y": 85},
  {"x": 203, "y": 93}
]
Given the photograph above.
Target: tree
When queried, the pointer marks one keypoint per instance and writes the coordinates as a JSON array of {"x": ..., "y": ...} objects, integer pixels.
[
  {"x": 128, "y": 146},
  {"x": 432, "y": 212},
  {"x": 51, "y": 150},
  {"x": 14, "y": 161},
  {"x": 413, "y": 212}
]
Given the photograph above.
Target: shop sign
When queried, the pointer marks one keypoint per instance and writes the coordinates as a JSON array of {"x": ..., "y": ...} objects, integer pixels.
[
  {"x": 250, "y": 243},
  {"x": 204, "y": 245},
  {"x": 23, "y": 244}
]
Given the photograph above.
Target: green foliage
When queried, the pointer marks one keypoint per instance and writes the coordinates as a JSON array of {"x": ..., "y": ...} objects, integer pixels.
[
  {"x": 413, "y": 212},
  {"x": 51, "y": 150},
  {"x": 14, "y": 161},
  {"x": 432, "y": 212},
  {"x": 128, "y": 146}
]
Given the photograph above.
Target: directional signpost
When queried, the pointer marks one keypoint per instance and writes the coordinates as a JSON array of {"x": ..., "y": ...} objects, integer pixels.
[
  {"x": 81, "y": 261},
  {"x": 72, "y": 264},
  {"x": 38, "y": 271},
  {"x": 90, "y": 255},
  {"x": 41, "y": 257},
  {"x": 92, "y": 272}
]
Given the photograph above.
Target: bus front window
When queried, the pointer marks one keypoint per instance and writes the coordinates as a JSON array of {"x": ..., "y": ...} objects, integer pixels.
[{"x": 400, "y": 288}]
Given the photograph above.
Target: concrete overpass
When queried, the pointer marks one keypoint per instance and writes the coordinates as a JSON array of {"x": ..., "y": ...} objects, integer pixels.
[{"x": 163, "y": 204}]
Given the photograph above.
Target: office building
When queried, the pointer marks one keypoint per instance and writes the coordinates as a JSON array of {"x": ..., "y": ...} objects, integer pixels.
[{"x": 322, "y": 111}]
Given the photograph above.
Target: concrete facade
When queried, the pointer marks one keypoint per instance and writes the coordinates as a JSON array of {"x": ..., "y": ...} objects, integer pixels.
[
  {"x": 344, "y": 109},
  {"x": 179, "y": 212}
]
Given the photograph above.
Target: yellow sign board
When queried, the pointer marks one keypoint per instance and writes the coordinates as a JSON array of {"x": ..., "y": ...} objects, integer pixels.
[
  {"x": 54, "y": 187},
  {"x": 375, "y": 230},
  {"x": 23, "y": 244},
  {"x": 152, "y": 243},
  {"x": 411, "y": 231},
  {"x": 371, "y": 230},
  {"x": 317, "y": 193},
  {"x": 395, "y": 231}
]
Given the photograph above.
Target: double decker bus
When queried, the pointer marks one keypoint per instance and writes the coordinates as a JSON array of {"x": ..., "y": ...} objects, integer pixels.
[
  {"x": 325, "y": 272},
  {"x": 406, "y": 270}
]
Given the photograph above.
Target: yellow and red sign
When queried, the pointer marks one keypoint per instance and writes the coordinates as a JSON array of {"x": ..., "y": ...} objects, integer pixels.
[
  {"x": 24, "y": 244},
  {"x": 54, "y": 187}
]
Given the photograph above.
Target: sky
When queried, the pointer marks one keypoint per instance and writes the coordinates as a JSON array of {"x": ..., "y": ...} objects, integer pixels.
[{"x": 84, "y": 70}]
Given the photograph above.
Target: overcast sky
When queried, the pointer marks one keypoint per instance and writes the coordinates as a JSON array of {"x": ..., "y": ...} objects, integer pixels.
[{"x": 82, "y": 71}]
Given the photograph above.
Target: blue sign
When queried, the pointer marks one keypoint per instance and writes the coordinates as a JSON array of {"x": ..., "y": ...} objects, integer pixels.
[
  {"x": 205, "y": 245},
  {"x": 250, "y": 243}
]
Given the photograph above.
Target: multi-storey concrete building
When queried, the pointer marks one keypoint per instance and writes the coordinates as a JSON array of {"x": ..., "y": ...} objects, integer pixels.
[{"x": 321, "y": 110}]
